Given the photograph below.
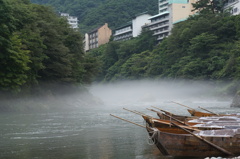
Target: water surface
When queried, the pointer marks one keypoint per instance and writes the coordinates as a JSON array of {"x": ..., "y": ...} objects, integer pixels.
[{"x": 89, "y": 132}]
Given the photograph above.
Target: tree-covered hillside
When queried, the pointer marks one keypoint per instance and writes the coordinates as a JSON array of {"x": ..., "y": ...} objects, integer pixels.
[
  {"x": 204, "y": 47},
  {"x": 36, "y": 45},
  {"x": 93, "y": 13}
]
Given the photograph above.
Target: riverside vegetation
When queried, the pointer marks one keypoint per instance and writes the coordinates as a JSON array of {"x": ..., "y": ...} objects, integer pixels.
[{"x": 38, "y": 48}]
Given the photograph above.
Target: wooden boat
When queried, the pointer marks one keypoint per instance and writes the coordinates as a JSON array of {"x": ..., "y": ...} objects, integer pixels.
[
  {"x": 169, "y": 125},
  {"x": 165, "y": 115},
  {"x": 179, "y": 117},
  {"x": 166, "y": 125},
  {"x": 196, "y": 113},
  {"x": 171, "y": 141},
  {"x": 190, "y": 145}
]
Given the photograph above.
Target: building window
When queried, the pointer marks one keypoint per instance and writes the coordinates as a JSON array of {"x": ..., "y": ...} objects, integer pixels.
[{"x": 235, "y": 10}]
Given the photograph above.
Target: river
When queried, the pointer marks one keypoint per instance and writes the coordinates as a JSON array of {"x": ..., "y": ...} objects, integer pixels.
[{"x": 90, "y": 132}]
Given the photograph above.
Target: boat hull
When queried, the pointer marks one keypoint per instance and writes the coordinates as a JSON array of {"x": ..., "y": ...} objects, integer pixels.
[
  {"x": 199, "y": 114},
  {"x": 187, "y": 145}
]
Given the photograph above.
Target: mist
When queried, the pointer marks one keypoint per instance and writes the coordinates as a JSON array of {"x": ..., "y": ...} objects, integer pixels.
[
  {"x": 124, "y": 93},
  {"x": 146, "y": 92}
]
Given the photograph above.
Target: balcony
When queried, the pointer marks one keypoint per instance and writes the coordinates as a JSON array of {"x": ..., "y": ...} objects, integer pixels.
[
  {"x": 122, "y": 32},
  {"x": 161, "y": 32},
  {"x": 159, "y": 25}
]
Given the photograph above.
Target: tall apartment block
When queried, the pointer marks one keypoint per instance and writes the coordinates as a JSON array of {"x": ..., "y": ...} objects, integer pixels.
[
  {"x": 233, "y": 5},
  {"x": 97, "y": 37},
  {"x": 73, "y": 21},
  {"x": 170, "y": 12},
  {"x": 132, "y": 28}
]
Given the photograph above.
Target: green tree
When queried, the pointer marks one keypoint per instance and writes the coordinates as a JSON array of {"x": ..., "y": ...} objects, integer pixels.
[
  {"x": 209, "y": 6},
  {"x": 13, "y": 55}
]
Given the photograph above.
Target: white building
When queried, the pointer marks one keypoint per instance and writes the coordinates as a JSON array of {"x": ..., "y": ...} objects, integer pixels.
[
  {"x": 125, "y": 32},
  {"x": 170, "y": 12},
  {"x": 132, "y": 28},
  {"x": 234, "y": 6},
  {"x": 73, "y": 21},
  {"x": 86, "y": 42}
]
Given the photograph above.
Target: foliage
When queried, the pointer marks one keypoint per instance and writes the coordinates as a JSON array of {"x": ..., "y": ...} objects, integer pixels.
[
  {"x": 94, "y": 13},
  {"x": 39, "y": 46},
  {"x": 123, "y": 60},
  {"x": 209, "y": 6},
  {"x": 14, "y": 57}
]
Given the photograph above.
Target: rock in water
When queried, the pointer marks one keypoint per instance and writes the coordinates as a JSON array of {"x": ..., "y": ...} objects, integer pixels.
[{"x": 236, "y": 100}]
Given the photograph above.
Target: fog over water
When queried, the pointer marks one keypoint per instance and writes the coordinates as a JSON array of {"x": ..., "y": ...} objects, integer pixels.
[{"x": 160, "y": 93}]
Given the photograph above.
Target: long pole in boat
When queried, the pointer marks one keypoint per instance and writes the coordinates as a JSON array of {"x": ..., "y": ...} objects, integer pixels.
[
  {"x": 162, "y": 110},
  {"x": 128, "y": 121},
  {"x": 136, "y": 112},
  {"x": 183, "y": 105},
  {"x": 208, "y": 110},
  {"x": 206, "y": 141},
  {"x": 169, "y": 116}
]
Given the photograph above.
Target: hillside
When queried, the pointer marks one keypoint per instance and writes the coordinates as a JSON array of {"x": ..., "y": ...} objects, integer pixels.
[{"x": 93, "y": 13}]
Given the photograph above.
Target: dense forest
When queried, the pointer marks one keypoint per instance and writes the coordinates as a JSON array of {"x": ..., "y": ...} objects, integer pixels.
[
  {"x": 204, "y": 47},
  {"x": 94, "y": 13},
  {"x": 38, "y": 48}
]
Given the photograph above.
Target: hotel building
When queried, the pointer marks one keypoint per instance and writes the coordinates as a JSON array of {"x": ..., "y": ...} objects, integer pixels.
[
  {"x": 132, "y": 28},
  {"x": 233, "y": 5},
  {"x": 72, "y": 21},
  {"x": 170, "y": 12},
  {"x": 97, "y": 37}
]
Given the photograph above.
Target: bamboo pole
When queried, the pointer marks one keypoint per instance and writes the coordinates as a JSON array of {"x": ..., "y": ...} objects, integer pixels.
[
  {"x": 133, "y": 111},
  {"x": 188, "y": 126},
  {"x": 136, "y": 112},
  {"x": 128, "y": 121},
  {"x": 208, "y": 110},
  {"x": 169, "y": 116},
  {"x": 162, "y": 110},
  {"x": 206, "y": 141},
  {"x": 183, "y": 105},
  {"x": 176, "y": 119}
]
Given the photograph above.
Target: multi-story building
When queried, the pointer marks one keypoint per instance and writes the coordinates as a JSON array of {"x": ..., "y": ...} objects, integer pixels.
[
  {"x": 132, "y": 28},
  {"x": 170, "y": 12},
  {"x": 97, "y": 37},
  {"x": 124, "y": 32},
  {"x": 72, "y": 21},
  {"x": 233, "y": 5}
]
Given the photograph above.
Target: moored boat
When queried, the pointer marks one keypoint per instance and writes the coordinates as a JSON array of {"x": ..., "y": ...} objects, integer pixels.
[
  {"x": 166, "y": 125},
  {"x": 210, "y": 136},
  {"x": 196, "y": 113},
  {"x": 188, "y": 145}
]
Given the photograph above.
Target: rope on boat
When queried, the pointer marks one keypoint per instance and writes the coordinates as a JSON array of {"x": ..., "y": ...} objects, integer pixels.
[{"x": 151, "y": 138}]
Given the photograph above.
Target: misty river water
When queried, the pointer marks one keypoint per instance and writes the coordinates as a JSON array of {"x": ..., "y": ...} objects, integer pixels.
[{"x": 89, "y": 132}]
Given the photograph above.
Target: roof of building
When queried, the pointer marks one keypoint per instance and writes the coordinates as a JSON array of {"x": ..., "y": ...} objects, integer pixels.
[
  {"x": 139, "y": 14},
  {"x": 158, "y": 15},
  {"x": 124, "y": 25},
  {"x": 178, "y": 1},
  {"x": 94, "y": 30}
]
